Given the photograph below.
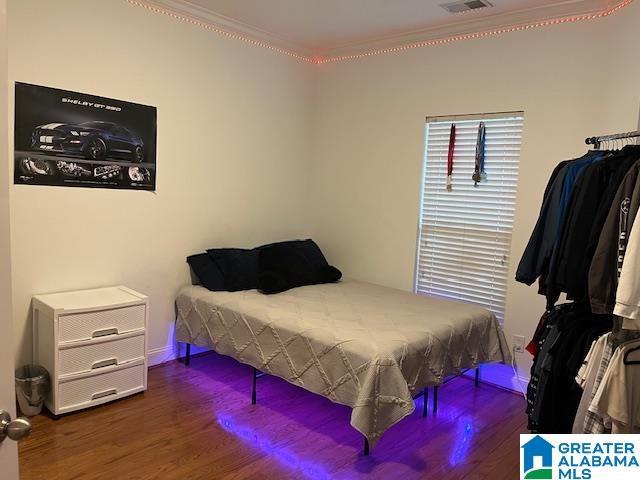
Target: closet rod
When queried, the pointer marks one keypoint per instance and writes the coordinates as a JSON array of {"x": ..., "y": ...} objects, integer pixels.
[{"x": 617, "y": 136}]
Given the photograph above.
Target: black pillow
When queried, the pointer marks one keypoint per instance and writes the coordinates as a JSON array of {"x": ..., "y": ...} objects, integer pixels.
[
  {"x": 239, "y": 267},
  {"x": 207, "y": 271},
  {"x": 293, "y": 264}
]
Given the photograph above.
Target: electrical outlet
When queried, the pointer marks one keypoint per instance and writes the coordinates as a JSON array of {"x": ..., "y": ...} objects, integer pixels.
[{"x": 518, "y": 343}]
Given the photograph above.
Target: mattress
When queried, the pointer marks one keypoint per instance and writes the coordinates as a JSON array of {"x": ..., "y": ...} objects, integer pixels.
[{"x": 358, "y": 344}]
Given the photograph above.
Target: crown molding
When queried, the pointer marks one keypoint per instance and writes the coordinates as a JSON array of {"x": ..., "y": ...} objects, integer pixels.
[
  {"x": 468, "y": 27},
  {"x": 477, "y": 30},
  {"x": 186, "y": 11},
  {"x": 467, "y": 23}
]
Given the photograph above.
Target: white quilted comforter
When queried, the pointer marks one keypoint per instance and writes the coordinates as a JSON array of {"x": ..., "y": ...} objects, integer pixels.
[{"x": 362, "y": 345}]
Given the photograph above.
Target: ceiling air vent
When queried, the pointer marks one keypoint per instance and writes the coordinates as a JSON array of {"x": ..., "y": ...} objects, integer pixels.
[{"x": 465, "y": 5}]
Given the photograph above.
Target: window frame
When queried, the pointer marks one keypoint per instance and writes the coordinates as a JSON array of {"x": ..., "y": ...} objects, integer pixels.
[{"x": 420, "y": 236}]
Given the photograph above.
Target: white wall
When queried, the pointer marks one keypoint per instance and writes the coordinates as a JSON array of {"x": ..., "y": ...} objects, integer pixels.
[
  {"x": 254, "y": 146},
  {"x": 233, "y": 153},
  {"x": 623, "y": 62},
  {"x": 369, "y": 128}
]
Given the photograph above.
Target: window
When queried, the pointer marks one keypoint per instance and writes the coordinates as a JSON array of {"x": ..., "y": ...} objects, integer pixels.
[{"x": 464, "y": 237}]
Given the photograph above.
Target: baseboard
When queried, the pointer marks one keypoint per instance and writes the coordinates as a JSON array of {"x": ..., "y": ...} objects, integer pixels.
[
  {"x": 157, "y": 356},
  {"x": 502, "y": 376}
]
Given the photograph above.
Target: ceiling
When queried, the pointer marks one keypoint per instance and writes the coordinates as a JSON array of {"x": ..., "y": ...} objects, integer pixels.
[{"x": 338, "y": 27}]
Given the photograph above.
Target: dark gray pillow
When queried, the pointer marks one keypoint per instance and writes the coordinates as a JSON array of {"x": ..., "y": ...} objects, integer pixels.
[
  {"x": 239, "y": 267},
  {"x": 293, "y": 264},
  {"x": 207, "y": 271}
]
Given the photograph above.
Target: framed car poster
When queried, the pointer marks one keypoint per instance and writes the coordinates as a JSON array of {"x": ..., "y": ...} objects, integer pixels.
[{"x": 75, "y": 139}]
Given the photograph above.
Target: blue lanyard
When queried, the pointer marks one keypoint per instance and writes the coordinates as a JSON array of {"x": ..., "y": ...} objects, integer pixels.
[{"x": 478, "y": 174}]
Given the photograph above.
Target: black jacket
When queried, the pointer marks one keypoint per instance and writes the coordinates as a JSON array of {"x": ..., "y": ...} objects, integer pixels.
[
  {"x": 609, "y": 253},
  {"x": 588, "y": 208},
  {"x": 537, "y": 254}
]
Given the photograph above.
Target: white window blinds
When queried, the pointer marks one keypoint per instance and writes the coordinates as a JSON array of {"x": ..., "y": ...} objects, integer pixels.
[{"x": 464, "y": 237}]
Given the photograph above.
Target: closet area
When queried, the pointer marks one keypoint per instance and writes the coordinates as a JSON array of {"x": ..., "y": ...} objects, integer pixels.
[{"x": 584, "y": 254}]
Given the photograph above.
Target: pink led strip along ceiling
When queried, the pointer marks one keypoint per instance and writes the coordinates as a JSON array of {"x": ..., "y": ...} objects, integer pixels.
[
  {"x": 396, "y": 49},
  {"x": 220, "y": 31}
]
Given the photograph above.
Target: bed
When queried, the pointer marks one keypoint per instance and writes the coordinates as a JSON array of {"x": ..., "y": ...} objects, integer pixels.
[{"x": 369, "y": 347}]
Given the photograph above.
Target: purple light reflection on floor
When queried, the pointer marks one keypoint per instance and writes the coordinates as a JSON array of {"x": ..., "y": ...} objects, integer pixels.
[
  {"x": 265, "y": 426},
  {"x": 316, "y": 471},
  {"x": 464, "y": 440},
  {"x": 285, "y": 456}
]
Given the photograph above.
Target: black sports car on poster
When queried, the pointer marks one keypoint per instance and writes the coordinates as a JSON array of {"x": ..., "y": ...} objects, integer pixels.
[{"x": 92, "y": 140}]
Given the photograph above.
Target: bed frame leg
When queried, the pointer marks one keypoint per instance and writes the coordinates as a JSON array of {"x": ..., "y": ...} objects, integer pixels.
[
  {"x": 187, "y": 357},
  {"x": 366, "y": 447},
  {"x": 253, "y": 391},
  {"x": 477, "y": 379},
  {"x": 435, "y": 399},
  {"x": 425, "y": 404}
]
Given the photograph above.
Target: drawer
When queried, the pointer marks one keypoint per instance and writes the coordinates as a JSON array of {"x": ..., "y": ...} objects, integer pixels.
[
  {"x": 104, "y": 353},
  {"x": 87, "y": 325},
  {"x": 100, "y": 388}
]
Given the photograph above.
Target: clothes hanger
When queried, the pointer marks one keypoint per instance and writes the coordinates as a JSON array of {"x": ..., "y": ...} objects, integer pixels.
[
  {"x": 626, "y": 356},
  {"x": 626, "y": 361}
]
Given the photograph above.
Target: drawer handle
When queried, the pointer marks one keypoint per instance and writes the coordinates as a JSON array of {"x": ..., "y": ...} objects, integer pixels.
[
  {"x": 105, "y": 332},
  {"x": 104, "y": 363},
  {"x": 106, "y": 393}
]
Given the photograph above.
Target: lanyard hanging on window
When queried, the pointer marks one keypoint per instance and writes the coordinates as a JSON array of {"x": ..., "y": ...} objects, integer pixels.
[
  {"x": 478, "y": 174},
  {"x": 452, "y": 146}
]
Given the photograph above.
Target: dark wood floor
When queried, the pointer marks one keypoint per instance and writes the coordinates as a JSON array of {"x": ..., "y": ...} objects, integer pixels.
[{"x": 197, "y": 423}]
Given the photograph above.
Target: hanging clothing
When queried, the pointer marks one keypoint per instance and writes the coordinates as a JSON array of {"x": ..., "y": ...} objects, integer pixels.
[
  {"x": 631, "y": 324},
  {"x": 573, "y": 172},
  {"x": 586, "y": 244},
  {"x": 618, "y": 396},
  {"x": 533, "y": 347},
  {"x": 572, "y": 351},
  {"x": 589, "y": 206},
  {"x": 538, "y": 251},
  {"x": 635, "y": 200},
  {"x": 586, "y": 379},
  {"x": 596, "y": 367},
  {"x": 594, "y": 421},
  {"x": 628, "y": 292},
  {"x": 552, "y": 395},
  {"x": 610, "y": 251},
  {"x": 554, "y": 175},
  {"x": 540, "y": 371}
]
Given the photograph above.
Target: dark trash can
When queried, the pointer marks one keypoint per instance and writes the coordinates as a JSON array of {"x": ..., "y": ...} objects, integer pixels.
[{"x": 32, "y": 387}]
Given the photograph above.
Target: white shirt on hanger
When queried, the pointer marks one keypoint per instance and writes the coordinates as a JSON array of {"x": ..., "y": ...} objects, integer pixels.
[
  {"x": 586, "y": 378},
  {"x": 618, "y": 395}
]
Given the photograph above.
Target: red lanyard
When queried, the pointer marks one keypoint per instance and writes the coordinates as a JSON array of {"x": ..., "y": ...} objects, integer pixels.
[{"x": 452, "y": 146}]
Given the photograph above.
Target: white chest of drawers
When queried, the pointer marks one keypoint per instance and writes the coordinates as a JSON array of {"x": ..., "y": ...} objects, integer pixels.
[{"x": 93, "y": 343}]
